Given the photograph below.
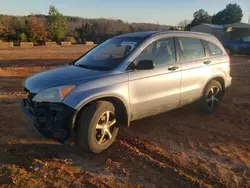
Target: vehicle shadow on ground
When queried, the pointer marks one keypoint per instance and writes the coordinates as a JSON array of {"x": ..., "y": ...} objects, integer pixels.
[
  {"x": 184, "y": 128},
  {"x": 168, "y": 121},
  {"x": 23, "y": 154}
]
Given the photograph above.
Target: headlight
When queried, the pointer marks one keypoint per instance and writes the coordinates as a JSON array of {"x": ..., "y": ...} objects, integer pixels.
[
  {"x": 54, "y": 94},
  {"x": 23, "y": 82}
]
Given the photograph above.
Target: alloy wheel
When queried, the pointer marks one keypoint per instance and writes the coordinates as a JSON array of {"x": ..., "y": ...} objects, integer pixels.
[
  {"x": 105, "y": 127},
  {"x": 213, "y": 97}
]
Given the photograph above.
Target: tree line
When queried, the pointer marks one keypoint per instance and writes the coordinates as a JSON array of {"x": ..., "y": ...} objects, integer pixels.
[
  {"x": 232, "y": 13},
  {"x": 57, "y": 27}
]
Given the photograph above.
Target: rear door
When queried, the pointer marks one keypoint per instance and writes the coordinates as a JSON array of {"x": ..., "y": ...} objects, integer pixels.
[
  {"x": 219, "y": 61},
  {"x": 196, "y": 68},
  {"x": 157, "y": 90}
]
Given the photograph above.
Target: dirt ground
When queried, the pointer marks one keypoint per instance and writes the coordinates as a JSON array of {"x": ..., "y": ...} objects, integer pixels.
[{"x": 181, "y": 148}]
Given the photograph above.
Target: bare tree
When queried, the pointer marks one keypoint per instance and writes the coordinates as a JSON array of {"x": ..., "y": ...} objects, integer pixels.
[{"x": 184, "y": 23}]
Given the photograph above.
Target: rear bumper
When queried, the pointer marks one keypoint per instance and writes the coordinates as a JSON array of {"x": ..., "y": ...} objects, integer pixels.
[
  {"x": 52, "y": 120},
  {"x": 228, "y": 83},
  {"x": 227, "y": 88}
]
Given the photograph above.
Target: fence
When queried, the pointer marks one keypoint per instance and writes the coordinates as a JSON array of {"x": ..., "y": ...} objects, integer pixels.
[
  {"x": 90, "y": 43},
  {"x": 6, "y": 44},
  {"x": 50, "y": 44},
  {"x": 66, "y": 43},
  {"x": 26, "y": 44}
]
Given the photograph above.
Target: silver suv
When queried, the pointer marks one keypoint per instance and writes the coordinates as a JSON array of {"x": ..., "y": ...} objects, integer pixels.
[{"x": 123, "y": 79}]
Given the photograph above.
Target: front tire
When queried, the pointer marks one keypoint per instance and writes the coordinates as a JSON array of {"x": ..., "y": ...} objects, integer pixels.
[
  {"x": 97, "y": 127},
  {"x": 212, "y": 96}
]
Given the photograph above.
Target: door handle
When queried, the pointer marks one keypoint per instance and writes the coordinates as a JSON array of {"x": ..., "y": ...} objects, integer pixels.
[
  {"x": 207, "y": 62},
  {"x": 173, "y": 68}
]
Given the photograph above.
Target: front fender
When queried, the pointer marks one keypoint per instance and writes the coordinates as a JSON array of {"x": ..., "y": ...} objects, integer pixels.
[
  {"x": 78, "y": 100},
  {"x": 111, "y": 86}
]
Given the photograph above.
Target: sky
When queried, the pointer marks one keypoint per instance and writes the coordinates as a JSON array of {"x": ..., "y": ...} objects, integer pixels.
[{"x": 169, "y": 12}]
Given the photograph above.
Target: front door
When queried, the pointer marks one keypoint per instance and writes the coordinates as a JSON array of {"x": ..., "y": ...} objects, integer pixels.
[{"x": 157, "y": 90}]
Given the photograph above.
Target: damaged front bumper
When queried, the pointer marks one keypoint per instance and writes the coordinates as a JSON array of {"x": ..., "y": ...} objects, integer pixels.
[{"x": 53, "y": 120}]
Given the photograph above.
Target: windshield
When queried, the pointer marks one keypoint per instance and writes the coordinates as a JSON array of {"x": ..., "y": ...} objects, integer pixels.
[{"x": 109, "y": 54}]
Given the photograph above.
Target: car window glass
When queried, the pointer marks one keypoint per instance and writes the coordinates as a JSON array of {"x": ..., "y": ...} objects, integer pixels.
[
  {"x": 117, "y": 52},
  {"x": 246, "y": 39},
  {"x": 161, "y": 52},
  {"x": 109, "y": 54},
  {"x": 190, "y": 49},
  {"x": 213, "y": 49}
]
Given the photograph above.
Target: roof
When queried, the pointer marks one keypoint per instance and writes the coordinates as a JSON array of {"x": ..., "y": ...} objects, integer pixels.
[
  {"x": 214, "y": 26},
  {"x": 156, "y": 33},
  {"x": 144, "y": 34},
  {"x": 238, "y": 25}
]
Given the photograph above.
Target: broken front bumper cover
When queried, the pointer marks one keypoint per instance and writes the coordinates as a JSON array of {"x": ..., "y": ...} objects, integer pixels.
[{"x": 53, "y": 120}]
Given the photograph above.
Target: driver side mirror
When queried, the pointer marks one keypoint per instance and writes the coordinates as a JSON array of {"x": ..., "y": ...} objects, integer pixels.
[{"x": 145, "y": 65}]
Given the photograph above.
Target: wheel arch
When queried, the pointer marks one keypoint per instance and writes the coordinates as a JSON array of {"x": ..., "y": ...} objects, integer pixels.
[
  {"x": 119, "y": 103},
  {"x": 219, "y": 79}
]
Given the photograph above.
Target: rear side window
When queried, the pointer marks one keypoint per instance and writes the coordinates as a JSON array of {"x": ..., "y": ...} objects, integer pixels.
[
  {"x": 213, "y": 49},
  {"x": 190, "y": 48}
]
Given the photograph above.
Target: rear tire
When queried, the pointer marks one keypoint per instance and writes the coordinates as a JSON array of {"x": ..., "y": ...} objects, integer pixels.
[
  {"x": 97, "y": 127},
  {"x": 212, "y": 96}
]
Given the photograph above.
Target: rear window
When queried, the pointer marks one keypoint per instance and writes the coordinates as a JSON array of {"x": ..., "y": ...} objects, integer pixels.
[
  {"x": 190, "y": 48},
  {"x": 213, "y": 49}
]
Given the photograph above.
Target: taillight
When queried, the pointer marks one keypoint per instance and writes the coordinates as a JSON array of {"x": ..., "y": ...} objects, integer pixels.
[
  {"x": 229, "y": 60},
  {"x": 229, "y": 65}
]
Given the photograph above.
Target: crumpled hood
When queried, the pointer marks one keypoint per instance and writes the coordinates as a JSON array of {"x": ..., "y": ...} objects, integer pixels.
[{"x": 60, "y": 76}]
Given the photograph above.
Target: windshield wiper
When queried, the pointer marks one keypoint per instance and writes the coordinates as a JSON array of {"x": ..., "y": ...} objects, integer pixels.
[
  {"x": 84, "y": 66},
  {"x": 93, "y": 67}
]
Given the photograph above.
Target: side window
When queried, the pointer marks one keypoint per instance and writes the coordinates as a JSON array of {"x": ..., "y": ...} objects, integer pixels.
[
  {"x": 213, "y": 49},
  {"x": 190, "y": 48},
  {"x": 161, "y": 52}
]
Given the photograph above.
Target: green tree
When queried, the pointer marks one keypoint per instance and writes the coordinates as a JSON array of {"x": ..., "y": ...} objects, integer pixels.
[
  {"x": 231, "y": 14},
  {"x": 201, "y": 16},
  {"x": 16, "y": 25},
  {"x": 80, "y": 34},
  {"x": 23, "y": 37},
  {"x": 85, "y": 32},
  {"x": 14, "y": 29},
  {"x": 56, "y": 22}
]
